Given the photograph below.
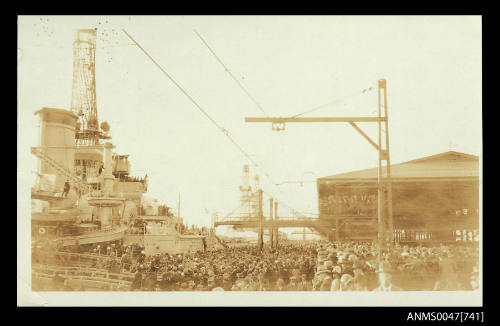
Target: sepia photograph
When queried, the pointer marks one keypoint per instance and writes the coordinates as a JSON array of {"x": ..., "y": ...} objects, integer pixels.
[{"x": 296, "y": 160}]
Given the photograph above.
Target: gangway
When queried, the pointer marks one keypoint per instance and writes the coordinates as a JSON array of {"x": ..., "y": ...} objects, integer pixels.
[{"x": 272, "y": 222}]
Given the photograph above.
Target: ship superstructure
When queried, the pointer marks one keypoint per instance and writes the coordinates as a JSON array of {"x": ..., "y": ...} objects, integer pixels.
[{"x": 84, "y": 192}]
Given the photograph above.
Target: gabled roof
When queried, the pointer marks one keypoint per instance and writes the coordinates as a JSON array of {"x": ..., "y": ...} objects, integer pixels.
[
  {"x": 449, "y": 156},
  {"x": 444, "y": 165}
]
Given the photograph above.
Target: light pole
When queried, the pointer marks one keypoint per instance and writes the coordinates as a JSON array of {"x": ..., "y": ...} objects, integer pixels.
[{"x": 385, "y": 233}]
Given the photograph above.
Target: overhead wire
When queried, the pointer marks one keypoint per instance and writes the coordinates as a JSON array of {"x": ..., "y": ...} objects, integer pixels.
[
  {"x": 263, "y": 111},
  {"x": 293, "y": 210},
  {"x": 341, "y": 99},
  {"x": 357, "y": 93},
  {"x": 205, "y": 113},
  {"x": 231, "y": 213},
  {"x": 338, "y": 100},
  {"x": 231, "y": 74},
  {"x": 222, "y": 129},
  {"x": 259, "y": 106}
]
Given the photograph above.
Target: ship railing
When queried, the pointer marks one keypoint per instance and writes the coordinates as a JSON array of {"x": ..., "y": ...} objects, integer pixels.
[
  {"x": 253, "y": 218},
  {"x": 82, "y": 272},
  {"x": 66, "y": 268},
  {"x": 132, "y": 179},
  {"x": 68, "y": 257},
  {"x": 88, "y": 281},
  {"x": 102, "y": 230}
]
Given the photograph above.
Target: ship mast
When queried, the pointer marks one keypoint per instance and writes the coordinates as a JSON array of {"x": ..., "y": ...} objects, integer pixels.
[
  {"x": 88, "y": 133},
  {"x": 83, "y": 100}
]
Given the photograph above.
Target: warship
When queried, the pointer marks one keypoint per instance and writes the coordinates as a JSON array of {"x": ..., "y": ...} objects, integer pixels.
[{"x": 84, "y": 195}]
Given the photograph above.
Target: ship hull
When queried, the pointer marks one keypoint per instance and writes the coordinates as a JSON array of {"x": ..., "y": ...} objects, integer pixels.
[{"x": 94, "y": 237}]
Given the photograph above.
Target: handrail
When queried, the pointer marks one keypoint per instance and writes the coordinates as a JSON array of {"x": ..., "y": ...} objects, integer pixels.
[
  {"x": 92, "y": 271},
  {"x": 107, "y": 284},
  {"x": 67, "y": 268},
  {"x": 286, "y": 218},
  {"x": 110, "y": 229},
  {"x": 74, "y": 254},
  {"x": 85, "y": 277}
]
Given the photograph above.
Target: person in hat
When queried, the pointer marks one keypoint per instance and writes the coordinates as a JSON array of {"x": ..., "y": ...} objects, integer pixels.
[
  {"x": 164, "y": 282},
  {"x": 323, "y": 279},
  {"x": 304, "y": 284},
  {"x": 126, "y": 260},
  {"x": 226, "y": 282},
  {"x": 474, "y": 278},
  {"x": 352, "y": 258},
  {"x": 211, "y": 283},
  {"x": 184, "y": 287},
  {"x": 346, "y": 267},
  {"x": 447, "y": 271},
  {"x": 142, "y": 257},
  {"x": 280, "y": 285},
  {"x": 385, "y": 279},
  {"x": 346, "y": 283},
  {"x": 337, "y": 269},
  {"x": 149, "y": 281},
  {"x": 335, "y": 279},
  {"x": 359, "y": 280},
  {"x": 242, "y": 284},
  {"x": 261, "y": 281},
  {"x": 326, "y": 282},
  {"x": 66, "y": 189},
  {"x": 218, "y": 289},
  {"x": 253, "y": 284},
  {"x": 137, "y": 282},
  {"x": 340, "y": 257},
  {"x": 317, "y": 277},
  {"x": 332, "y": 256},
  {"x": 328, "y": 264},
  {"x": 200, "y": 287},
  {"x": 293, "y": 285}
]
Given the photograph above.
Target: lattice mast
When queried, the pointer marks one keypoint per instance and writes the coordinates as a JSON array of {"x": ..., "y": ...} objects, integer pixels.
[
  {"x": 246, "y": 193},
  {"x": 83, "y": 101},
  {"x": 249, "y": 200}
]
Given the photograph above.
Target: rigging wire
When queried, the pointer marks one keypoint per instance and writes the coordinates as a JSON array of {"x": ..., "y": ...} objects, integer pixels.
[
  {"x": 231, "y": 213},
  {"x": 262, "y": 110},
  {"x": 293, "y": 210},
  {"x": 242, "y": 88},
  {"x": 222, "y": 129},
  {"x": 231, "y": 74},
  {"x": 357, "y": 93}
]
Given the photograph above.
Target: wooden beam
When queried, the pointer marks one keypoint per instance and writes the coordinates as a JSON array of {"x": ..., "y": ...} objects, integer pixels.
[
  {"x": 316, "y": 119},
  {"x": 355, "y": 126}
]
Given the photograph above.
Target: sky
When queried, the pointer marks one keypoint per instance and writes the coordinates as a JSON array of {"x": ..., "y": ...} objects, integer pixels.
[{"x": 289, "y": 64}]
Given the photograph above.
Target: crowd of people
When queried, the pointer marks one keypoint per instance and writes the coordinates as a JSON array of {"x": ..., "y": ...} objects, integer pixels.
[
  {"x": 357, "y": 267},
  {"x": 298, "y": 266}
]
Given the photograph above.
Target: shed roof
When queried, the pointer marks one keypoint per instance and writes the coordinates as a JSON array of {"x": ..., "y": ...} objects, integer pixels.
[{"x": 444, "y": 165}]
